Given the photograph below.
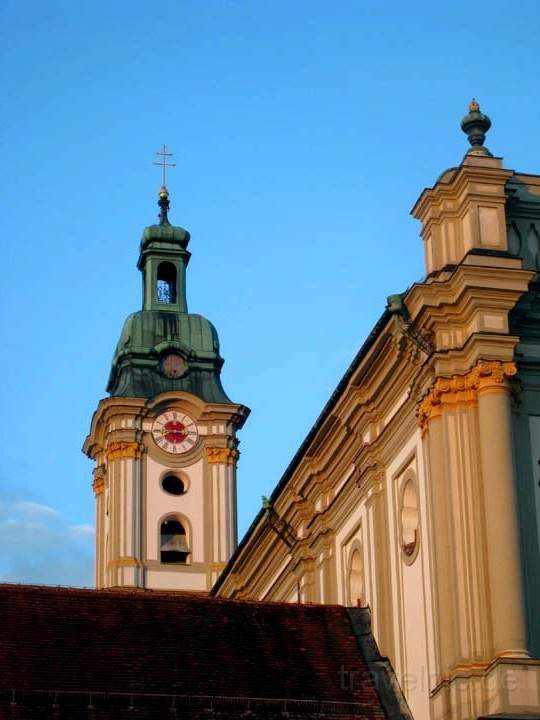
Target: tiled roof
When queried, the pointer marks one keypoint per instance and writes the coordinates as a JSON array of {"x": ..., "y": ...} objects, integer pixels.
[{"x": 63, "y": 650}]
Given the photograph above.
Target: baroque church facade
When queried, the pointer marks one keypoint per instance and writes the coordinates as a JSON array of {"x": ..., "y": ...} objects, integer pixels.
[{"x": 415, "y": 493}]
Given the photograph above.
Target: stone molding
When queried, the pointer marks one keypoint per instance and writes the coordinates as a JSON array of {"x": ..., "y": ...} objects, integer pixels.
[
  {"x": 228, "y": 456},
  {"x": 369, "y": 475},
  {"x": 304, "y": 507},
  {"x": 218, "y": 566},
  {"x": 124, "y": 562},
  {"x": 463, "y": 390},
  {"x": 119, "y": 450}
]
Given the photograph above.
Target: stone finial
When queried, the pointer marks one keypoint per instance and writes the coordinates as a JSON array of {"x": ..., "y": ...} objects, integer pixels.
[{"x": 476, "y": 125}]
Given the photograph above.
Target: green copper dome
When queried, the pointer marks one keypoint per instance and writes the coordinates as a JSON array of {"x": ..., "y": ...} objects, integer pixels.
[
  {"x": 164, "y": 328},
  {"x": 164, "y": 233}
]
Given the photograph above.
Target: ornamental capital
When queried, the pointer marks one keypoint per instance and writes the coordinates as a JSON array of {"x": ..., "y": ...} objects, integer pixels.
[
  {"x": 228, "y": 456},
  {"x": 493, "y": 374},
  {"x": 98, "y": 486},
  {"x": 99, "y": 472},
  {"x": 100, "y": 476},
  {"x": 119, "y": 450},
  {"x": 463, "y": 390}
]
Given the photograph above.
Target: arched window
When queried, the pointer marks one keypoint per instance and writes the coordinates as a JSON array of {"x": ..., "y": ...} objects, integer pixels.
[
  {"x": 173, "y": 541},
  {"x": 166, "y": 283},
  {"x": 356, "y": 578},
  {"x": 409, "y": 518}
]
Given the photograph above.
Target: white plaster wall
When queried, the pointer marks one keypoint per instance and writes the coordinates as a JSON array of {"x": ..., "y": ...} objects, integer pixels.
[
  {"x": 163, "y": 580},
  {"x": 416, "y": 667},
  {"x": 190, "y": 505},
  {"x": 411, "y": 594}
]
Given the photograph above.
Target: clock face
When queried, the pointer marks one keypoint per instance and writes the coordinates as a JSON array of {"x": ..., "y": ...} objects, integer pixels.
[
  {"x": 173, "y": 365},
  {"x": 174, "y": 432}
]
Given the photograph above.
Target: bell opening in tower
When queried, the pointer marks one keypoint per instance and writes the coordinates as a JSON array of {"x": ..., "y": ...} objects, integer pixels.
[
  {"x": 173, "y": 545},
  {"x": 166, "y": 283}
]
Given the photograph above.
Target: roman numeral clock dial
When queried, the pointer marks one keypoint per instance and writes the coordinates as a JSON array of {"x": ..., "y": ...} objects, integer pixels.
[{"x": 174, "y": 432}]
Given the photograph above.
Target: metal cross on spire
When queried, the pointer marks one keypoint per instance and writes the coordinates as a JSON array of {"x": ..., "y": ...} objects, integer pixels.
[{"x": 163, "y": 154}]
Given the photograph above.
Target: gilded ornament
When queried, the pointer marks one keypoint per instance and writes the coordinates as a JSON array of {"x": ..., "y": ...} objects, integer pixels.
[
  {"x": 98, "y": 486},
  {"x": 124, "y": 562},
  {"x": 463, "y": 390},
  {"x": 100, "y": 474},
  {"x": 228, "y": 456},
  {"x": 118, "y": 450}
]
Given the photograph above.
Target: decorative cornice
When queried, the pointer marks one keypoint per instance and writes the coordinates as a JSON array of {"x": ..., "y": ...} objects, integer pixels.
[
  {"x": 228, "y": 456},
  {"x": 118, "y": 450},
  {"x": 303, "y": 506},
  {"x": 463, "y": 390},
  {"x": 370, "y": 477},
  {"x": 481, "y": 669},
  {"x": 303, "y": 560}
]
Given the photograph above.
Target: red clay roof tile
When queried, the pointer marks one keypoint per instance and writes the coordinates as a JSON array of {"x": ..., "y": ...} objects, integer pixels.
[{"x": 95, "y": 641}]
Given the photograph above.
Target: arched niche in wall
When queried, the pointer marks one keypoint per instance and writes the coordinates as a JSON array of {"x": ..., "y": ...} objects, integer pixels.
[
  {"x": 409, "y": 518},
  {"x": 355, "y": 577}
]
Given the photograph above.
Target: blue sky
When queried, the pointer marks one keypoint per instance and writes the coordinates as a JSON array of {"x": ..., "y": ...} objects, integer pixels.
[{"x": 303, "y": 133}]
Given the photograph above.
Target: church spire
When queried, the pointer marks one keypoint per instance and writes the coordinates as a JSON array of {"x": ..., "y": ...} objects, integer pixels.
[
  {"x": 163, "y": 332},
  {"x": 163, "y": 260},
  {"x": 163, "y": 201}
]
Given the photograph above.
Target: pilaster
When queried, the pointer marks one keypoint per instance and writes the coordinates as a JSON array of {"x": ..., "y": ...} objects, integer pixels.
[
  {"x": 124, "y": 566},
  {"x": 466, "y": 425},
  {"x": 99, "y": 487},
  {"x": 501, "y": 508},
  {"x": 222, "y": 472}
]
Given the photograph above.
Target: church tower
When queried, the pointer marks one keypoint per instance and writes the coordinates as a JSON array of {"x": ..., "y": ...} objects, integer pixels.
[{"x": 164, "y": 442}]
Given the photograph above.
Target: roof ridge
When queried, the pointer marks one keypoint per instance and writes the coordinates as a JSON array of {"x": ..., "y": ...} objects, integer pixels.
[{"x": 195, "y": 597}]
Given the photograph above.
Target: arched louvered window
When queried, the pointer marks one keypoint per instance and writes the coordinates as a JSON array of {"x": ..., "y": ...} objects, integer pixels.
[
  {"x": 166, "y": 283},
  {"x": 173, "y": 541}
]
